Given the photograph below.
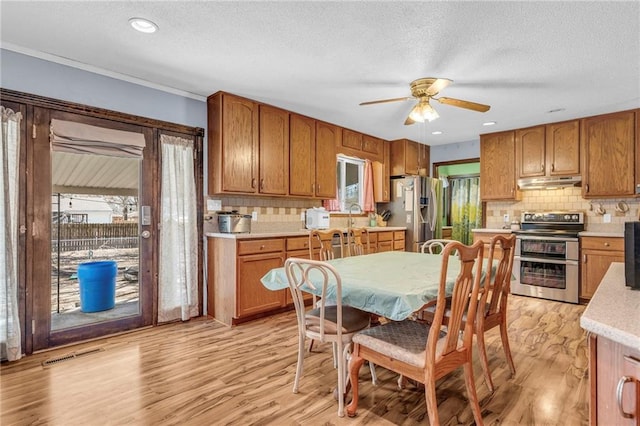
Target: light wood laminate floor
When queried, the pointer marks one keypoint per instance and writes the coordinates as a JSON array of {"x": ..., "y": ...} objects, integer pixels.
[{"x": 204, "y": 373}]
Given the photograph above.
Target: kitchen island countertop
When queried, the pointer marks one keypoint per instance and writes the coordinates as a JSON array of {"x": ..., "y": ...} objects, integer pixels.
[{"x": 614, "y": 310}]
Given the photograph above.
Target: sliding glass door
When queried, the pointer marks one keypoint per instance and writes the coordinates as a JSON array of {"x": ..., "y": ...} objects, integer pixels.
[{"x": 94, "y": 203}]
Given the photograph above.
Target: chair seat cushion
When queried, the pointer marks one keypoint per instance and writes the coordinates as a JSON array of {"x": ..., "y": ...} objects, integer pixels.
[
  {"x": 352, "y": 319},
  {"x": 402, "y": 340}
]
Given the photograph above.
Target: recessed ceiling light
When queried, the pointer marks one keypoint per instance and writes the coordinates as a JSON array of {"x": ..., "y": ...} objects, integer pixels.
[
  {"x": 489, "y": 123},
  {"x": 555, "y": 110},
  {"x": 437, "y": 132},
  {"x": 143, "y": 25}
]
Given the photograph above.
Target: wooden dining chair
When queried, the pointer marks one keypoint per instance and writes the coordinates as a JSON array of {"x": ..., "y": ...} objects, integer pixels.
[
  {"x": 493, "y": 302},
  {"x": 435, "y": 246},
  {"x": 358, "y": 241},
  {"x": 321, "y": 243},
  {"x": 333, "y": 323},
  {"x": 424, "y": 352}
]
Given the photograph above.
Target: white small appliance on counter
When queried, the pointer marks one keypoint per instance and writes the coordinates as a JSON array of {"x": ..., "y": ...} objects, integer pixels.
[{"x": 317, "y": 218}]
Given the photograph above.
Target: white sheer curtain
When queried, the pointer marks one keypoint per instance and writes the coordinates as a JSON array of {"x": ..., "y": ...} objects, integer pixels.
[
  {"x": 10, "y": 346},
  {"x": 178, "y": 280}
]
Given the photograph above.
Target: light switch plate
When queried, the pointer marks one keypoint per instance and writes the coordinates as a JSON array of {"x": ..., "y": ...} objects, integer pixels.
[{"x": 214, "y": 205}]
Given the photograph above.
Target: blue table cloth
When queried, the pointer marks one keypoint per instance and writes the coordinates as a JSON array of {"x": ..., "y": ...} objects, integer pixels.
[{"x": 391, "y": 284}]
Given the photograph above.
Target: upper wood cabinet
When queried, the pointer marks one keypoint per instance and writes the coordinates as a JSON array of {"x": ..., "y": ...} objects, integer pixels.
[
  {"x": 360, "y": 145},
  {"x": 312, "y": 157},
  {"x": 373, "y": 145},
  {"x": 551, "y": 150},
  {"x": 302, "y": 155},
  {"x": 609, "y": 145},
  {"x": 233, "y": 144},
  {"x": 563, "y": 148},
  {"x": 497, "y": 166},
  {"x": 382, "y": 177},
  {"x": 351, "y": 139},
  {"x": 327, "y": 139},
  {"x": 405, "y": 157},
  {"x": 274, "y": 151}
]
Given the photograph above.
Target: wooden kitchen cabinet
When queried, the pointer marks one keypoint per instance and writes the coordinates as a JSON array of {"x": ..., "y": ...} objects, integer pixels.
[
  {"x": 373, "y": 145},
  {"x": 274, "y": 151},
  {"x": 609, "y": 363},
  {"x": 497, "y": 166},
  {"x": 551, "y": 150},
  {"x": 233, "y": 144},
  {"x": 312, "y": 157},
  {"x": 405, "y": 157},
  {"x": 351, "y": 139},
  {"x": 597, "y": 255},
  {"x": 384, "y": 241},
  {"x": 235, "y": 266},
  {"x": 382, "y": 176},
  {"x": 248, "y": 146},
  {"x": 327, "y": 139},
  {"x": 608, "y": 143}
]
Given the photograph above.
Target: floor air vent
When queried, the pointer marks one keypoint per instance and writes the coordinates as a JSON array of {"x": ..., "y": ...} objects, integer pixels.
[{"x": 72, "y": 355}]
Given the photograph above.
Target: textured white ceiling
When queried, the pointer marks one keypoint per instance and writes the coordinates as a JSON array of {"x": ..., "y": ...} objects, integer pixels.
[{"x": 323, "y": 58}]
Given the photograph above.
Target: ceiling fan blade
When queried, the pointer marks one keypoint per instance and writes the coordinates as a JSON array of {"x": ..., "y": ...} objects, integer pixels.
[
  {"x": 463, "y": 104},
  {"x": 438, "y": 85},
  {"x": 382, "y": 101}
]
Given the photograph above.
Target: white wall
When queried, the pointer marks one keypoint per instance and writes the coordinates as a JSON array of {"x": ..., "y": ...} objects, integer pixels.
[{"x": 455, "y": 151}]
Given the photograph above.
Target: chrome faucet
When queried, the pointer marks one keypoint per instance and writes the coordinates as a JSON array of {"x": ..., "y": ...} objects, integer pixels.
[{"x": 350, "y": 223}]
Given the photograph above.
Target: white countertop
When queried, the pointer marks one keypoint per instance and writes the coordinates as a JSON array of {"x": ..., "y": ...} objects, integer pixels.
[
  {"x": 601, "y": 234},
  {"x": 614, "y": 310},
  {"x": 297, "y": 233}
]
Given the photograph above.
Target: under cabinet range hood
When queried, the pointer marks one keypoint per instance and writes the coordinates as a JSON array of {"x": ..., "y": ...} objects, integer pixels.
[{"x": 551, "y": 182}]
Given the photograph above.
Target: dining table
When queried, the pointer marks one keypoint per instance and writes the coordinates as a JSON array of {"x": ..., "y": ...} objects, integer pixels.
[{"x": 392, "y": 284}]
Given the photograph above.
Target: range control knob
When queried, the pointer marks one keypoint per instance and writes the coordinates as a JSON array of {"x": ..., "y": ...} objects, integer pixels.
[
  {"x": 575, "y": 217},
  {"x": 567, "y": 217}
]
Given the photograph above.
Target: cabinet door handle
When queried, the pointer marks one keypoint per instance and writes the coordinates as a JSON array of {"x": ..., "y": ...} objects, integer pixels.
[
  {"x": 606, "y": 244},
  {"x": 253, "y": 182},
  {"x": 619, "y": 390},
  {"x": 584, "y": 258},
  {"x": 553, "y": 168},
  {"x": 542, "y": 167},
  {"x": 586, "y": 187},
  {"x": 261, "y": 184}
]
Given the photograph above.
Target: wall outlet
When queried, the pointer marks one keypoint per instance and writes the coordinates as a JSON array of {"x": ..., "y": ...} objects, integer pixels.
[
  {"x": 254, "y": 216},
  {"x": 506, "y": 218},
  {"x": 606, "y": 218}
]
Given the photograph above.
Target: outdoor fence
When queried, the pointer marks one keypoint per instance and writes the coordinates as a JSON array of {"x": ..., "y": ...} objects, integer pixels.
[{"x": 93, "y": 236}]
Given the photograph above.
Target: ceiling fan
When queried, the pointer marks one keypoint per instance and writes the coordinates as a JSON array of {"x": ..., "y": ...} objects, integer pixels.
[{"x": 424, "y": 89}]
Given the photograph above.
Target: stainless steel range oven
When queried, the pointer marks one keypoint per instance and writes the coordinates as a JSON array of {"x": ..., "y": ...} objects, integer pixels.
[{"x": 547, "y": 259}]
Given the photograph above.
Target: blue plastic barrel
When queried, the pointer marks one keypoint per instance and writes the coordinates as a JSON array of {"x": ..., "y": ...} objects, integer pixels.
[{"x": 97, "y": 285}]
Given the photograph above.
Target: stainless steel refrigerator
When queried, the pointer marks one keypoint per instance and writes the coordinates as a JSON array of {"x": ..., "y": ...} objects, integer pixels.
[{"x": 415, "y": 203}]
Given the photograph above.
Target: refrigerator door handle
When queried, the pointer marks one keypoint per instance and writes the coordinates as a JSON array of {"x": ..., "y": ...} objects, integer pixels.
[{"x": 434, "y": 209}]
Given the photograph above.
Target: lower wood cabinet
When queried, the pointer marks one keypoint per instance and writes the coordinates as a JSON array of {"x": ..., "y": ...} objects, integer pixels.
[
  {"x": 235, "y": 293},
  {"x": 613, "y": 366},
  {"x": 252, "y": 297},
  {"x": 597, "y": 255}
]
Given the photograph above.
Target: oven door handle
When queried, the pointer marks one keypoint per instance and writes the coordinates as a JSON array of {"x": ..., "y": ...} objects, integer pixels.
[
  {"x": 545, "y": 260},
  {"x": 542, "y": 238}
]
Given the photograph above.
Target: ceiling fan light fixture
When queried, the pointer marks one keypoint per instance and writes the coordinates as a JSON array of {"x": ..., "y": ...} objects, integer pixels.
[
  {"x": 423, "y": 111},
  {"x": 143, "y": 25}
]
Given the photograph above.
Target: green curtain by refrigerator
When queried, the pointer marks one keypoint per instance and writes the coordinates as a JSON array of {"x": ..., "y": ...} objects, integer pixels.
[{"x": 466, "y": 208}]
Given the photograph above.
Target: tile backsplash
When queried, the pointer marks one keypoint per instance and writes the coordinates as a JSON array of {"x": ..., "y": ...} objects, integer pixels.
[
  {"x": 569, "y": 198},
  {"x": 273, "y": 214}
]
